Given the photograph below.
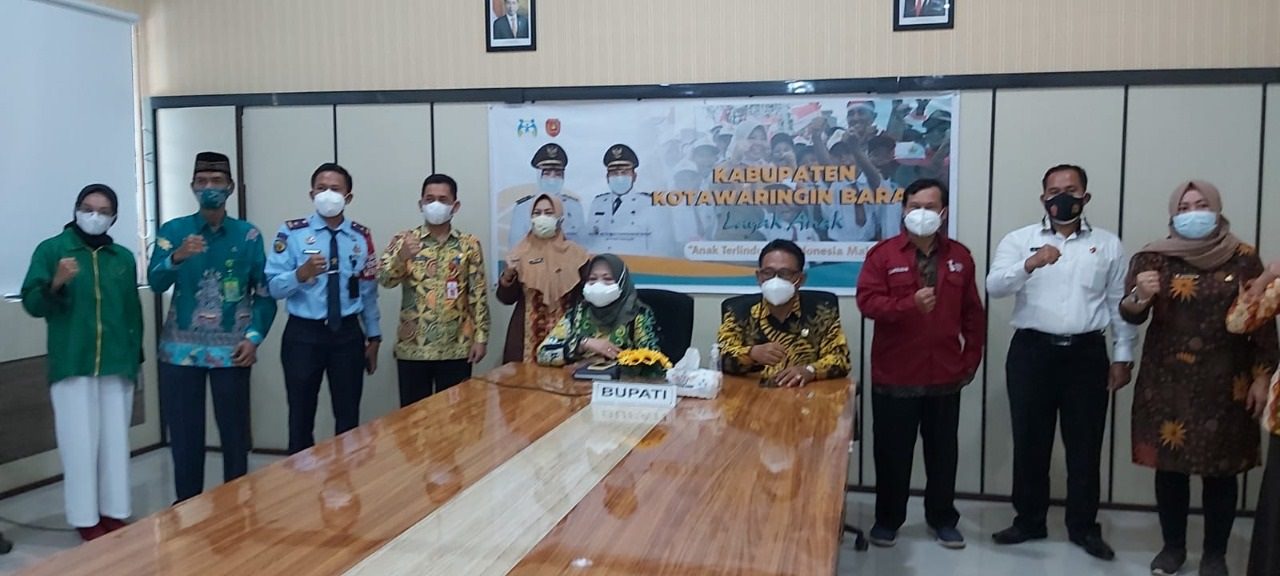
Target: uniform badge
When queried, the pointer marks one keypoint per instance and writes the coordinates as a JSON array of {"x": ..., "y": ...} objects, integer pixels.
[
  {"x": 311, "y": 240},
  {"x": 617, "y": 152},
  {"x": 1093, "y": 249},
  {"x": 280, "y": 246},
  {"x": 164, "y": 244}
]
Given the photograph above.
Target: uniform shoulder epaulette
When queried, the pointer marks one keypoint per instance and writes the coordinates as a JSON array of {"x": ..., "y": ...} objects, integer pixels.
[
  {"x": 525, "y": 199},
  {"x": 361, "y": 228},
  {"x": 297, "y": 224},
  {"x": 565, "y": 196}
]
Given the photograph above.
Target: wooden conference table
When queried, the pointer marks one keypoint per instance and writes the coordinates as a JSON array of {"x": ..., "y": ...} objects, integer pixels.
[{"x": 515, "y": 472}]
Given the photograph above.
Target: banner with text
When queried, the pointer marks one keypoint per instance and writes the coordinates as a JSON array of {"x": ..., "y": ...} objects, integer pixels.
[{"x": 688, "y": 192}]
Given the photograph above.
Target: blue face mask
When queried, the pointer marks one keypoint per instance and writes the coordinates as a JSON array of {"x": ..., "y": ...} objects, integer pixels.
[
  {"x": 212, "y": 198},
  {"x": 550, "y": 185},
  {"x": 1195, "y": 225},
  {"x": 620, "y": 184}
]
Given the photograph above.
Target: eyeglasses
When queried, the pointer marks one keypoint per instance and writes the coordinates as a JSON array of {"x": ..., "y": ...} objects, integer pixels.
[
  {"x": 770, "y": 274},
  {"x": 89, "y": 210}
]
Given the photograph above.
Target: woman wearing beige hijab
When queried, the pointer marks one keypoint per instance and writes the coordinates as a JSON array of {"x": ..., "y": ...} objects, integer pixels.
[
  {"x": 1198, "y": 390},
  {"x": 543, "y": 278}
]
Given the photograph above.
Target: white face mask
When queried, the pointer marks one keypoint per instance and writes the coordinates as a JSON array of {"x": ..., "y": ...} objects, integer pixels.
[
  {"x": 437, "y": 213},
  {"x": 600, "y": 294},
  {"x": 620, "y": 184},
  {"x": 544, "y": 226},
  {"x": 329, "y": 203},
  {"x": 777, "y": 291},
  {"x": 93, "y": 223},
  {"x": 922, "y": 222}
]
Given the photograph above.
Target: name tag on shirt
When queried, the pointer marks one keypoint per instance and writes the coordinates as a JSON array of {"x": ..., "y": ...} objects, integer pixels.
[
  {"x": 451, "y": 290},
  {"x": 899, "y": 270}
]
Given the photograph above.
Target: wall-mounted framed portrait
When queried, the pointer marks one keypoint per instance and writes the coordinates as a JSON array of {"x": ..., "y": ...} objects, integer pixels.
[
  {"x": 512, "y": 25},
  {"x": 924, "y": 14}
]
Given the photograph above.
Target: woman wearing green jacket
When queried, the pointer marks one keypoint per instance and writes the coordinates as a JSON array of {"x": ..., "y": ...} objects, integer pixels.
[{"x": 85, "y": 287}]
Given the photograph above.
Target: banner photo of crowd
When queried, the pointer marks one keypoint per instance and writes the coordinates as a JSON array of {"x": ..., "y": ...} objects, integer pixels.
[{"x": 688, "y": 192}]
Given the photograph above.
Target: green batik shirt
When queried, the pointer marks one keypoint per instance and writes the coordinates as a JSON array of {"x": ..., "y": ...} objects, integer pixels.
[
  {"x": 562, "y": 344},
  {"x": 219, "y": 296},
  {"x": 445, "y": 298}
]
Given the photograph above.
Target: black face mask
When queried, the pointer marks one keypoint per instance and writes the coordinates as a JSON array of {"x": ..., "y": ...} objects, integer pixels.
[{"x": 1064, "y": 208}]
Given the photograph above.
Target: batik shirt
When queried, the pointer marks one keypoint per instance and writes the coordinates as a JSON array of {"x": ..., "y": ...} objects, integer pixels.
[
  {"x": 811, "y": 334},
  {"x": 562, "y": 345},
  {"x": 219, "y": 296},
  {"x": 445, "y": 304}
]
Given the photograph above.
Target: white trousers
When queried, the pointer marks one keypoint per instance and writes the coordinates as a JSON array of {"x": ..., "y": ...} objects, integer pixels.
[{"x": 91, "y": 419}]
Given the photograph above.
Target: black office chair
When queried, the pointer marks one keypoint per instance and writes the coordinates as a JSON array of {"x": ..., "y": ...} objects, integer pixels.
[
  {"x": 859, "y": 537},
  {"x": 673, "y": 312}
]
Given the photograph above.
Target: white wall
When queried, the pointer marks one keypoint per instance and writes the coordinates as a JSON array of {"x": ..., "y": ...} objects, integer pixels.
[{"x": 1132, "y": 154}]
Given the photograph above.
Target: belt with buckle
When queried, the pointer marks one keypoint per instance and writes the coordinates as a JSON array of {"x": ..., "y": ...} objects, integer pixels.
[{"x": 1064, "y": 340}]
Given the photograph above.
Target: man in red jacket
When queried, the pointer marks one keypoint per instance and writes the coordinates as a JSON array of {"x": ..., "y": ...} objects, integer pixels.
[{"x": 920, "y": 290}]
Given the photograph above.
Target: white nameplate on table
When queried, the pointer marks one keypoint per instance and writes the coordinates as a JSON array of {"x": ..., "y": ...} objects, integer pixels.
[{"x": 633, "y": 394}]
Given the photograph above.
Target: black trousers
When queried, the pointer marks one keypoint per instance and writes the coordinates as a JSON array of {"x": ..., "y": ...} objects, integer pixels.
[
  {"x": 422, "y": 378},
  {"x": 1173, "y": 500},
  {"x": 182, "y": 402},
  {"x": 896, "y": 422},
  {"x": 309, "y": 351},
  {"x": 1046, "y": 380},
  {"x": 1264, "y": 557}
]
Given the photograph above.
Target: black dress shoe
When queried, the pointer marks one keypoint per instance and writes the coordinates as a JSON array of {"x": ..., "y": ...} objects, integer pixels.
[
  {"x": 1017, "y": 535},
  {"x": 1095, "y": 546}
]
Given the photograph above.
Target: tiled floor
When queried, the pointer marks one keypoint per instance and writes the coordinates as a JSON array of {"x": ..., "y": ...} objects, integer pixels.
[{"x": 1136, "y": 536}]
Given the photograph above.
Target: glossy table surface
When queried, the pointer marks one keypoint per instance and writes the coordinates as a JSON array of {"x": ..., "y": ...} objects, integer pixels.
[{"x": 749, "y": 483}]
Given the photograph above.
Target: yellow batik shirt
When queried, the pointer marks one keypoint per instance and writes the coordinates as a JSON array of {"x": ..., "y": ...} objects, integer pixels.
[
  {"x": 445, "y": 302},
  {"x": 811, "y": 335}
]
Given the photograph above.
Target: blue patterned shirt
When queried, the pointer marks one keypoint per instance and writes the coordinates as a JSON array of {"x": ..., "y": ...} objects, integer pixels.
[{"x": 220, "y": 295}]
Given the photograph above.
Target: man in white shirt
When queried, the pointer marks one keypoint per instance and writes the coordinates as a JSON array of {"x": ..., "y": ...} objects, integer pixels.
[{"x": 1068, "y": 280}]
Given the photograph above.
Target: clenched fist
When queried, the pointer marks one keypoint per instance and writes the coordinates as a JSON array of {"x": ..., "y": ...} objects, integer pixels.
[
  {"x": 926, "y": 300},
  {"x": 1147, "y": 284},
  {"x": 191, "y": 245},
  {"x": 68, "y": 269},
  {"x": 1047, "y": 255}
]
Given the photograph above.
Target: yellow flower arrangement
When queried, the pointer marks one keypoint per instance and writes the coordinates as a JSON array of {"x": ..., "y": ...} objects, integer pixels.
[
  {"x": 644, "y": 362},
  {"x": 644, "y": 357}
]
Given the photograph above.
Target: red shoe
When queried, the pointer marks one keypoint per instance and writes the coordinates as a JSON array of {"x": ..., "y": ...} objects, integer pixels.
[
  {"x": 113, "y": 524},
  {"x": 92, "y": 532}
]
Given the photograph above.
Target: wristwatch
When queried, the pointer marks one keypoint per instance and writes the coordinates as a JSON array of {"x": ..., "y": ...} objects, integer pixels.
[{"x": 809, "y": 368}]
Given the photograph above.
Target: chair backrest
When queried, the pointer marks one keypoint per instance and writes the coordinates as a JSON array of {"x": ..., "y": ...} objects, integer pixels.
[
  {"x": 673, "y": 311},
  {"x": 739, "y": 300}
]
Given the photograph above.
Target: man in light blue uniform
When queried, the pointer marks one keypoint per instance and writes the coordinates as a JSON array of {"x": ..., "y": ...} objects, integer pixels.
[
  {"x": 551, "y": 161},
  {"x": 325, "y": 269}
]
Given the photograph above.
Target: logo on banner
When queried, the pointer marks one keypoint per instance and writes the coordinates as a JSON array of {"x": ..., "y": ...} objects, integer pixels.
[
  {"x": 553, "y": 127},
  {"x": 526, "y": 128}
]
